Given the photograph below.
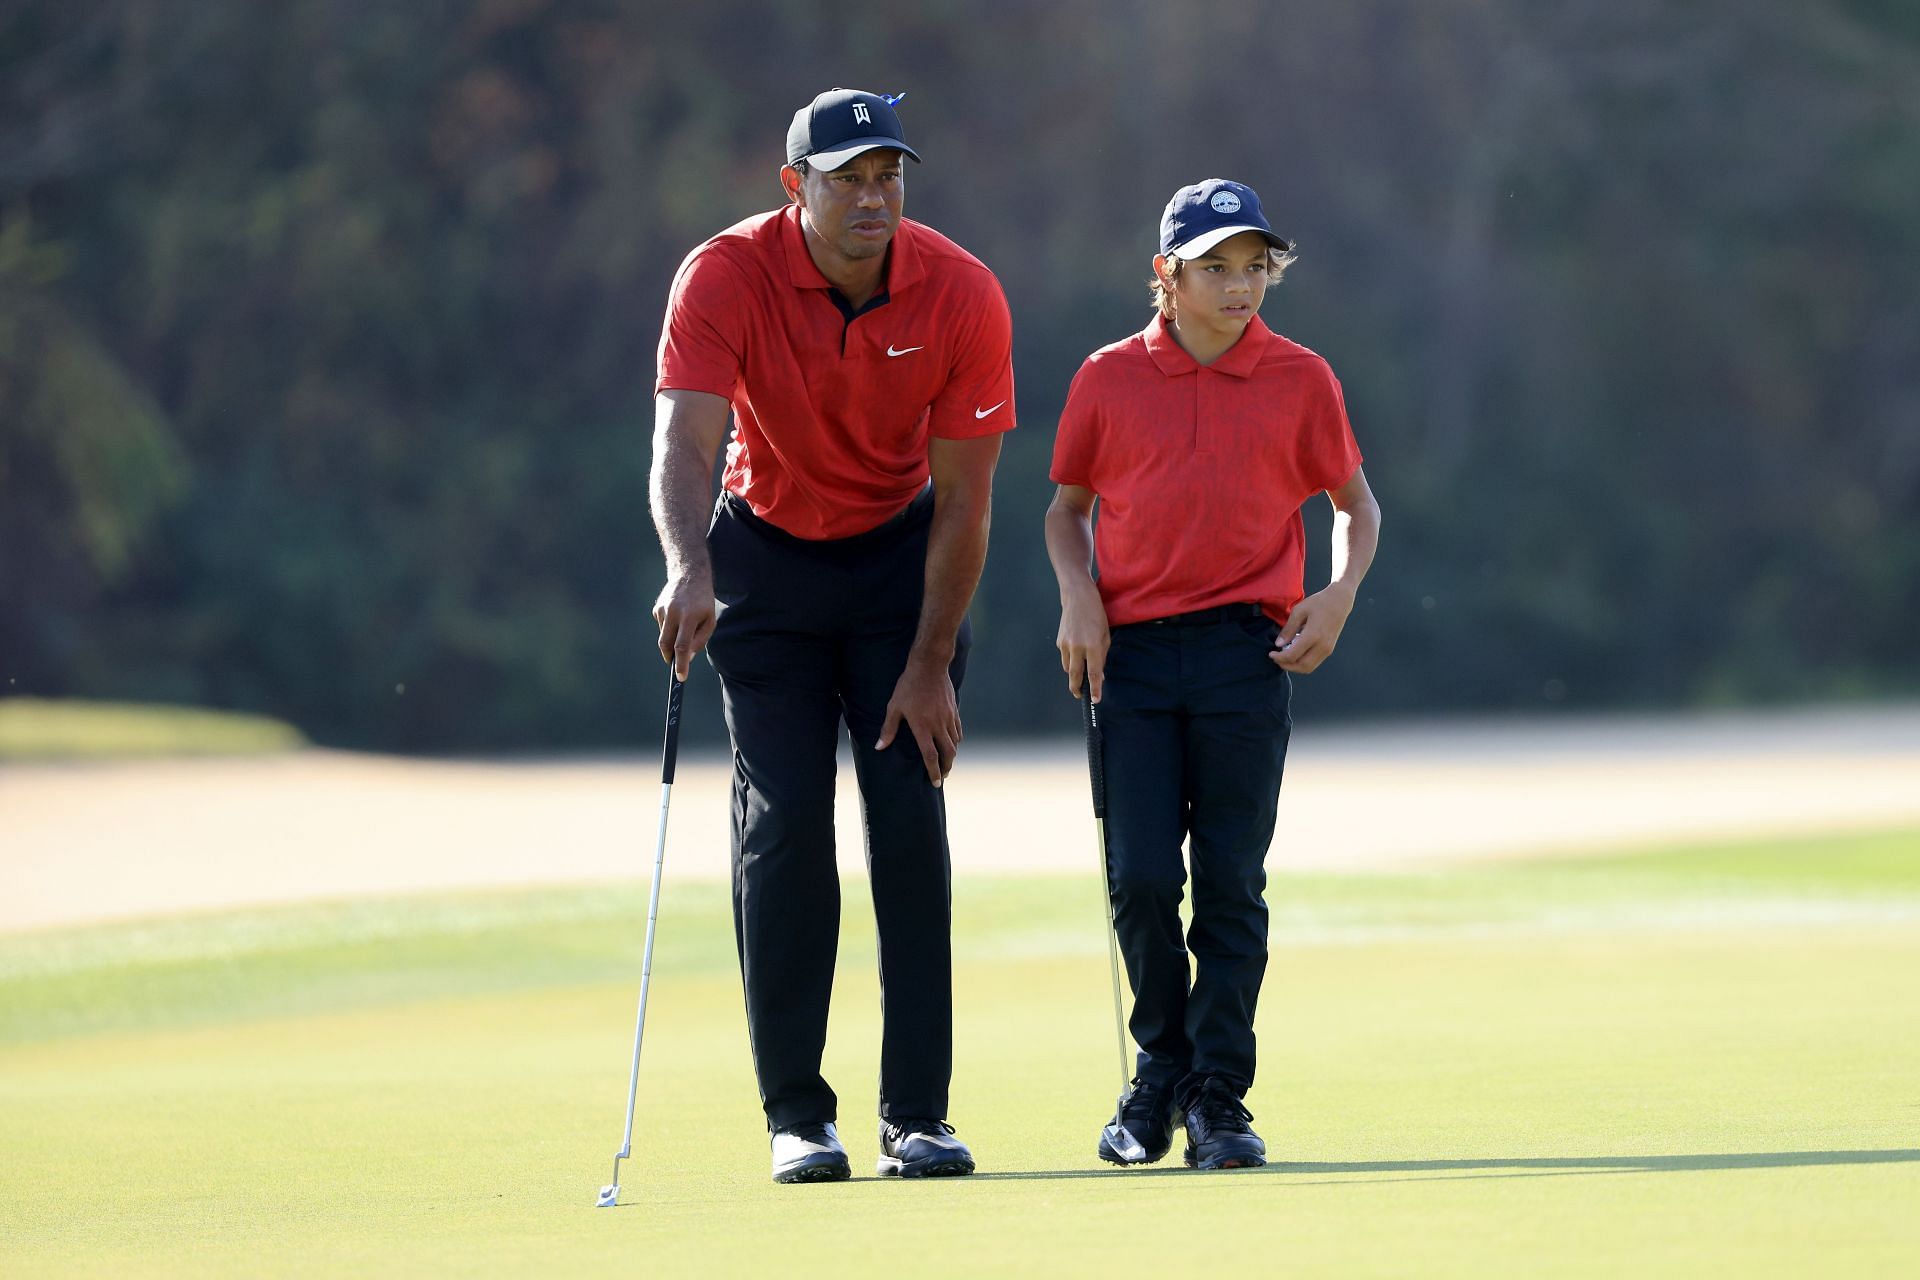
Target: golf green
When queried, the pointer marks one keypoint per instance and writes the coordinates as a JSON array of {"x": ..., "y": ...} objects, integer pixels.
[{"x": 1686, "y": 1061}]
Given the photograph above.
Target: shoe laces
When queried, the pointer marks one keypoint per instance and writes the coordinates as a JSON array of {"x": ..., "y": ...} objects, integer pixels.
[
  {"x": 899, "y": 1127},
  {"x": 1145, "y": 1101},
  {"x": 1221, "y": 1110}
]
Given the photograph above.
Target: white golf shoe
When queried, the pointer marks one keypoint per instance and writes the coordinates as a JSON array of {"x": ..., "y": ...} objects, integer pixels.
[
  {"x": 921, "y": 1148},
  {"x": 809, "y": 1153}
]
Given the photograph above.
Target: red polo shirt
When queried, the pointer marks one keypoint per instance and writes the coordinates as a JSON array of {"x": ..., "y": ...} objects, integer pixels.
[
  {"x": 1201, "y": 471},
  {"x": 832, "y": 415}
]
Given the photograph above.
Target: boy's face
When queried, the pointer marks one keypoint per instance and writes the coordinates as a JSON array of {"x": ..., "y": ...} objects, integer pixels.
[{"x": 1223, "y": 288}]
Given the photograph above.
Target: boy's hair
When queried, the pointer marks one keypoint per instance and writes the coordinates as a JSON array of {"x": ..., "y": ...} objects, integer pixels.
[{"x": 1278, "y": 260}]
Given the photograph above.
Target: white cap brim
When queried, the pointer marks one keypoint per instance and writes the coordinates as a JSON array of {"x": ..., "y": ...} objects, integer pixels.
[
  {"x": 1207, "y": 241},
  {"x": 830, "y": 160}
]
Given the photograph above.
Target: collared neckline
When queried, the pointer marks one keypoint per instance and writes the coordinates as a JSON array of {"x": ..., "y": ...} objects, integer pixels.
[
  {"x": 903, "y": 257},
  {"x": 1239, "y": 360}
]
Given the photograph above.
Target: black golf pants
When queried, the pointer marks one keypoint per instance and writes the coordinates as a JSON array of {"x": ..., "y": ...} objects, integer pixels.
[
  {"x": 1194, "y": 719},
  {"x": 813, "y": 634}
]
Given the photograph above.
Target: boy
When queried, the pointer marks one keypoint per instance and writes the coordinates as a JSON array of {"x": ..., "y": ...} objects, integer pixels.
[{"x": 1200, "y": 436}]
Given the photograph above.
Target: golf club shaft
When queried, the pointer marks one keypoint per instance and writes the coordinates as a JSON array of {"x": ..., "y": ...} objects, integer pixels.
[
  {"x": 669, "y": 751},
  {"x": 1097, "y": 772},
  {"x": 1113, "y": 964}
]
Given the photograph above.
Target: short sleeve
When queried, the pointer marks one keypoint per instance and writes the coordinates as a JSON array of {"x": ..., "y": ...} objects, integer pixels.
[
  {"x": 978, "y": 397},
  {"x": 702, "y": 343},
  {"x": 1327, "y": 454},
  {"x": 1076, "y": 443}
]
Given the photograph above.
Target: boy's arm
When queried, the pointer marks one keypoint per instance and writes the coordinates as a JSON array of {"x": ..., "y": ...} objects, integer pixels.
[
  {"x": 1314, "y": 626},
  {"x": 1083, "y": 634}
]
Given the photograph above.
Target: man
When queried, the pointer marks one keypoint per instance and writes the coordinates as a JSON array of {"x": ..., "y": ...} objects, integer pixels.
[
  {"x": 1200, "y": 437},
  {"x": 867, "y": 363}
]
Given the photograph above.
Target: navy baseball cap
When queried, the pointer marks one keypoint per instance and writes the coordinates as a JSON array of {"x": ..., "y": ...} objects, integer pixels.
[
  {"x": 840, "y": 124},
  {"x": 1199, "y": 217}
]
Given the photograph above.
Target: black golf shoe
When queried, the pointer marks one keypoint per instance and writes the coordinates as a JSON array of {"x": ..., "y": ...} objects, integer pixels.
[
  {"x": 1147, "y": 1112},
  {"x": 914, "y": 1147},
  {"x": 809, "y": 1153},
  {"x": 1218, "y": 1135}
]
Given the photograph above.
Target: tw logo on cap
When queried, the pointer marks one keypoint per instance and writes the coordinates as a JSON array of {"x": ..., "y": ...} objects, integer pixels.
[{"x": 841, "y": 123}]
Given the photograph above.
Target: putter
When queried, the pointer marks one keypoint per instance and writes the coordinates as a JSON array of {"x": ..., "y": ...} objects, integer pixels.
[
  {"x": 1124, "y": 1144},
  {"x": 670, "y": 749}
]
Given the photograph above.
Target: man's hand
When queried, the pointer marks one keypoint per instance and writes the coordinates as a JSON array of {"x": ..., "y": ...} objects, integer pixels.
[
  {"x": 685, "y": 612},
  {"x": 1083, "y": 640},
  {"x": 1313, "y": 629},
  {"x": 923, "y": 698}
]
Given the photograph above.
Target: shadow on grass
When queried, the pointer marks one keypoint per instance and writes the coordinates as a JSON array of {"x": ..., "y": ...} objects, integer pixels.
[{"x": 1516, "y": 1167}]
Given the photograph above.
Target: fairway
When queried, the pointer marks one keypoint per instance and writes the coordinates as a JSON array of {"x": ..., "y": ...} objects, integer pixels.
[{"x": 1692, "y": 1060}]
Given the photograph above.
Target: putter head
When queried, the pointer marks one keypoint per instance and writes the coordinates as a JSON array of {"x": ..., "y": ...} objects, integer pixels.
[
  {"x": 609, "y": 1196},
  {"x": 1124, "y": 1144}
]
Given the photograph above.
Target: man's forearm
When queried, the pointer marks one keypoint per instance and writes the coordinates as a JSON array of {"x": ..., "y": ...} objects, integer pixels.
[
  {"x": 681, "y": 488},
  {"x": 687, "y": 429},
  {"x": 956, "y": 555}
]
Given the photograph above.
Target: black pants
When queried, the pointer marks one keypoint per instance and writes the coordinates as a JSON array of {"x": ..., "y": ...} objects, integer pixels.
[
  {"x": 811, "y": 634},
  {"x": 1195, "y": 722}
]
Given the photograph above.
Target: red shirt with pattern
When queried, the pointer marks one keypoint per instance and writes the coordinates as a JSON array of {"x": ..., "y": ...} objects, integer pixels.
[{"x": 1201, "y": 471}]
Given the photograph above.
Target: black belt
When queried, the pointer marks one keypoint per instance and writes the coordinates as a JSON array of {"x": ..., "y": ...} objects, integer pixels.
[{"x": 1204, "y": 617}]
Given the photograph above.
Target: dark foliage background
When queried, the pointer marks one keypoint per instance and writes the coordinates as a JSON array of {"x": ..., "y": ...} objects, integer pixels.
[{"x": 327, "y": 330}]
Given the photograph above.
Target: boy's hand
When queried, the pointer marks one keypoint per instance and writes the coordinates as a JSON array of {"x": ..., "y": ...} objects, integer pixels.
[
  {"x": 1313, "y": 629},
  {"x": 1083, "y": 641}
]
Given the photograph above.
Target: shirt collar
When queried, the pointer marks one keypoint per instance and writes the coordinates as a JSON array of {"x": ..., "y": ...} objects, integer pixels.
[
  {"x": 903, "y": 256},
  {"x": 1238, "y": 360},
  {"x": 801, "y": 273}
]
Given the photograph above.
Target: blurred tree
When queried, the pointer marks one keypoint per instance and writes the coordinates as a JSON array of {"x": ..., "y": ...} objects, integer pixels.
[{"x": 325, "y": 329}]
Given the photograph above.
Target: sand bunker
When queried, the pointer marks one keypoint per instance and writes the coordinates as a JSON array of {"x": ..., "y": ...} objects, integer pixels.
[{"x": 107, "y": 841}]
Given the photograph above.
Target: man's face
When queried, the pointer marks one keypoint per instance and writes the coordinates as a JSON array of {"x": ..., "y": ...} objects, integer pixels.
[
  {"x": 1222, "y": 289},
  {"x": 855, "y": 209}
]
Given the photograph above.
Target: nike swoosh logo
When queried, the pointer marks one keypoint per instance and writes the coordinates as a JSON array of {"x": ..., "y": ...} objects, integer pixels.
[
  {"x": 981, "y": 413},
  {"x": 902, "y": 351}
]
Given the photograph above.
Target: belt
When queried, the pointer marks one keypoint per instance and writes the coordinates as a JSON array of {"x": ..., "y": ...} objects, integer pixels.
[
  {"x": 921, "y": 507},
  {"x": 1204, "y": 617}
]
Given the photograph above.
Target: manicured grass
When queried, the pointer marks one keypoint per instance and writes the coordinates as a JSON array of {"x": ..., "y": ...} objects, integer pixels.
[
  {"x": 1684, "y": 1062},
  {"x": 36, "y": 729}
]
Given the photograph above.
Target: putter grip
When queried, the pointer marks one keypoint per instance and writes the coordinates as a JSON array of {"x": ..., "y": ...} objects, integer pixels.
[
  {"x": 670, "y": 749},
  {"x": 1096, "y": 766}
]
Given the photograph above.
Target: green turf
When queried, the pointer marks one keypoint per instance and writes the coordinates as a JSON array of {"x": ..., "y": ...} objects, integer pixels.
[
  {"x": 1685, "y": 1062},
  {"x": 34, "y": 729}
]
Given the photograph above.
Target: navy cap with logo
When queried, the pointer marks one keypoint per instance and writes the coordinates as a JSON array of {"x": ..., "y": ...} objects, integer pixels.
[
  {"x": 840, "y": 124},
  {"x": 1199, "y": 217}
]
